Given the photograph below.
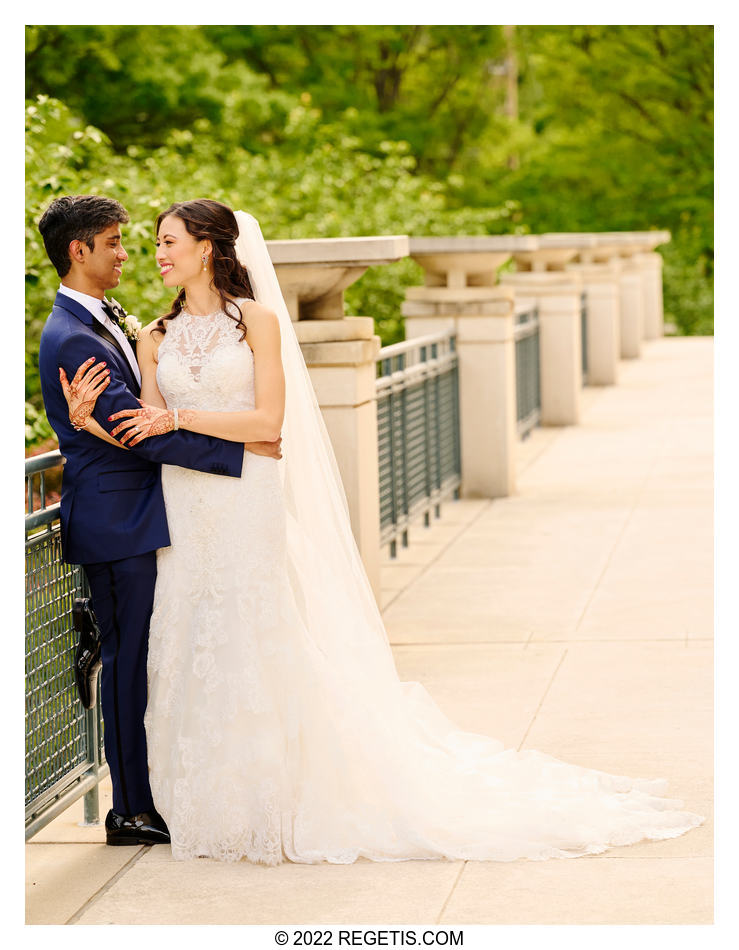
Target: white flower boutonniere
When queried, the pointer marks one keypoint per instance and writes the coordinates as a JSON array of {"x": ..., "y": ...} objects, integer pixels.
[
  {"x": 126, "y": 321},
  {"x": 131, "y": 327}
]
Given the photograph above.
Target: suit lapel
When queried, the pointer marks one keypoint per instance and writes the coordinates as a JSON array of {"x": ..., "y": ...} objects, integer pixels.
[
  {"x": 83, "y": 314},
  {"x": 106, "y": 334}
]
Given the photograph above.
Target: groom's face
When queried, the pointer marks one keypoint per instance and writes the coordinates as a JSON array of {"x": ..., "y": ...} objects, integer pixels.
[{"x": 103, "y": 265}]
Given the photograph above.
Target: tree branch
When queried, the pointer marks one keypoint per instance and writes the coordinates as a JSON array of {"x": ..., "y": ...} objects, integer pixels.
[{"x": 444, "y": 93}]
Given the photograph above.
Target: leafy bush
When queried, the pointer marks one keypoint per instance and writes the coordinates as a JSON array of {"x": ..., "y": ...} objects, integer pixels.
[{"x": 37, "y": 426}]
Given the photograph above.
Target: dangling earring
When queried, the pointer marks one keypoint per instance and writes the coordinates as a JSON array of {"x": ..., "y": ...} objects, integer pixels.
[{"x": 205, "y": 261}]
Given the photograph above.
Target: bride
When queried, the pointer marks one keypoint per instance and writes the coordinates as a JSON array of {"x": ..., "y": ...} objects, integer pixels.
[{"x": 277, "y": 727}]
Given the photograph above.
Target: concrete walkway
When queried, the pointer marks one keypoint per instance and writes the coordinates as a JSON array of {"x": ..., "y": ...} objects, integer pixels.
[{"x": 574, "y": 618}]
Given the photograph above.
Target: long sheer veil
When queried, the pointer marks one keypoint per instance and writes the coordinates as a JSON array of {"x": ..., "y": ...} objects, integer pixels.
[
  {"x": 330, "y": 586},
  {"x": 327, "y": 573},
  {"x": 377, "y": 769}
]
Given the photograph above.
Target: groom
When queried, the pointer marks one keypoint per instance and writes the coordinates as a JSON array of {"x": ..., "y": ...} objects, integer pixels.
[{"x": 112, "y": 508}]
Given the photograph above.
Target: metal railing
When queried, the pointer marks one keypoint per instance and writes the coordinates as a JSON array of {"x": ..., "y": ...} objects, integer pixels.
[
  {"x": 64, "y": 741},
  {"x": 528, "y": 384},
  {"x": 418, "y": 432},
  {"x": 584, "y": 335}
]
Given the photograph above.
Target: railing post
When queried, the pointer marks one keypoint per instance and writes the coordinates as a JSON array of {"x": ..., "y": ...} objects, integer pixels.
[
  {"x": 654, "y": 319},
  {"x": 601, "y": 285},
  {"x": 482, "y": 318},
  {"x": 632, "y": 308},
  {"x": 641, "y": 313},
  {"x": 91, "y": 801},
  {"x": 461, "y": 293}
]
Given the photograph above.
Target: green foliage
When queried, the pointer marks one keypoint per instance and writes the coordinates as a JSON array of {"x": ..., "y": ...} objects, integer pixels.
[
  {"x": 688, "y": 282},
  {"x": 37, "y": 426},
  {"x": 359, "y": 130},
  {"x": 620, "y": 137},
  {"x": 138, "y": 83},
  {"x": 435, "y": 87}
]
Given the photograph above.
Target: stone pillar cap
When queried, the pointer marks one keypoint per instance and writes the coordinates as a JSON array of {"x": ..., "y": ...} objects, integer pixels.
[
  {"x": 314, "y": 273},
  {"x": 644, "y": 240},
  {"x": 355, "y": 251},
  {"x": 466, "y": 260},
  {"x": 579, "y": 240},
  {"x": 550, "y": 281},
  {"x": 472, "y": 244},
  {"x": 611, "y": 243}
]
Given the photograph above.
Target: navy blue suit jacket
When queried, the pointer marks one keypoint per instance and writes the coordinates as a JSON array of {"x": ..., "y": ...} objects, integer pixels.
[{"x": 112, "y": 504}]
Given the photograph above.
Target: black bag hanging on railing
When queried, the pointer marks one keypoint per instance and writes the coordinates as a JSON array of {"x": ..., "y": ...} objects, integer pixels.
[{"x": 87, "y": 659}]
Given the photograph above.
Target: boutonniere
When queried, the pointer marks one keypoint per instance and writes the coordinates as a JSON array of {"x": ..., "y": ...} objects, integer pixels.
[{"x": 126, "y": 321}]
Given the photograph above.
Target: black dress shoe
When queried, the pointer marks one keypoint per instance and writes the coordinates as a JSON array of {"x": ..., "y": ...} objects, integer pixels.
[
  {"x": 87, "y": 659},
  {"x": 146, "y": 828}
]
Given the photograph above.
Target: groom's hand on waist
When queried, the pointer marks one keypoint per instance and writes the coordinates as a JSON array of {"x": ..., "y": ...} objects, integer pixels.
[{"x": 272, "y": 450}]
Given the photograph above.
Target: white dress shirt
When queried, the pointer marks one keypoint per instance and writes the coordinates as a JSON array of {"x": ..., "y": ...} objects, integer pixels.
[{"x": 95, "y": 306}]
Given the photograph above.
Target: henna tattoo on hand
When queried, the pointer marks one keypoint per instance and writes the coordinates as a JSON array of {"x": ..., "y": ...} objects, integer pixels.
[
  {"x": 142, "y": 423},
  {"x": 81, "y": 416},
  {"x": 164, "y": 423},
  {"x": 82, "y": 393}
]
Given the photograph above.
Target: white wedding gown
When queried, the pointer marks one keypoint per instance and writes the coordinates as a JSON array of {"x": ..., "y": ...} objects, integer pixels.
[{"x": 262, "y": 745}]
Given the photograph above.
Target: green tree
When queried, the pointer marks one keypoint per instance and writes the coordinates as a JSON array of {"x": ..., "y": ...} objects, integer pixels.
[
  {"x": 436, "y": 87},
  {"x": 620, "y": 138},
  {"x": 138, "y": 83}
]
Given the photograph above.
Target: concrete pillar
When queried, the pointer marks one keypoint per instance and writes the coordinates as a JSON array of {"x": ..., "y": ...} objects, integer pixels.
[
  {"x": 642, "y": 315},
  {"x": 632, "y": 308},
  {"x": 601, "y": 285},
  {"x": 651, "y": 264},
  {"x": 482, "y": 318},
  {"x": 341, "y": 359},
  {"x": 556, "y": 294},
  {"x": 461, "y": 294}
]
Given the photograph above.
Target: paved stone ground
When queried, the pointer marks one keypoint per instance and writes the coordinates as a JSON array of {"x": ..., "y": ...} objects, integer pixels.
[{"x": 575, "y": 618}]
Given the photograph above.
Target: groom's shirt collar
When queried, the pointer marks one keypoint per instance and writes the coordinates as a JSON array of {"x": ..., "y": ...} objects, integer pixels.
[{"x": 93, "y": 304}]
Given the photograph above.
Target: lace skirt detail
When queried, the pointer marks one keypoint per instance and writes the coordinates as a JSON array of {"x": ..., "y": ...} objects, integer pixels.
[{"x": 213, "y": 722}]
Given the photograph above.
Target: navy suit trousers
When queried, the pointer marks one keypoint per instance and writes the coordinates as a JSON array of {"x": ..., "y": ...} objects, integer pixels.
[{"x": 122, "y": 598}]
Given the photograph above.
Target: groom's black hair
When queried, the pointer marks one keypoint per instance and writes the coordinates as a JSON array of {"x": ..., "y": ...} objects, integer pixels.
[{"x": 80, "y": 218}]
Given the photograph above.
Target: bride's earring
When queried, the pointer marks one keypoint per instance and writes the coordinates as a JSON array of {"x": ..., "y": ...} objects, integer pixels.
[{"x": 205, "y": 261}]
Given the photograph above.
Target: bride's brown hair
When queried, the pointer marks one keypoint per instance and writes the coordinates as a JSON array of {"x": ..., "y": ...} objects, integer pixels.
[{"x": 204, "y": 218}]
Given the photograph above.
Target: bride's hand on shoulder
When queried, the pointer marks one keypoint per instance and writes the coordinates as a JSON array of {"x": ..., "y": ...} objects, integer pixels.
[
  {"x": 82, "y": 393},
  {"x": 142, "y": 423}
]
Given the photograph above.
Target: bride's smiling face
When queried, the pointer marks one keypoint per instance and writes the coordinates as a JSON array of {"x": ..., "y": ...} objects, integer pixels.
[{"x": 179, "y": 255}]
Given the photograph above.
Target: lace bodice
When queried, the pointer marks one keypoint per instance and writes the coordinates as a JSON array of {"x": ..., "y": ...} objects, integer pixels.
[{"x": 204, "y": 364}]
